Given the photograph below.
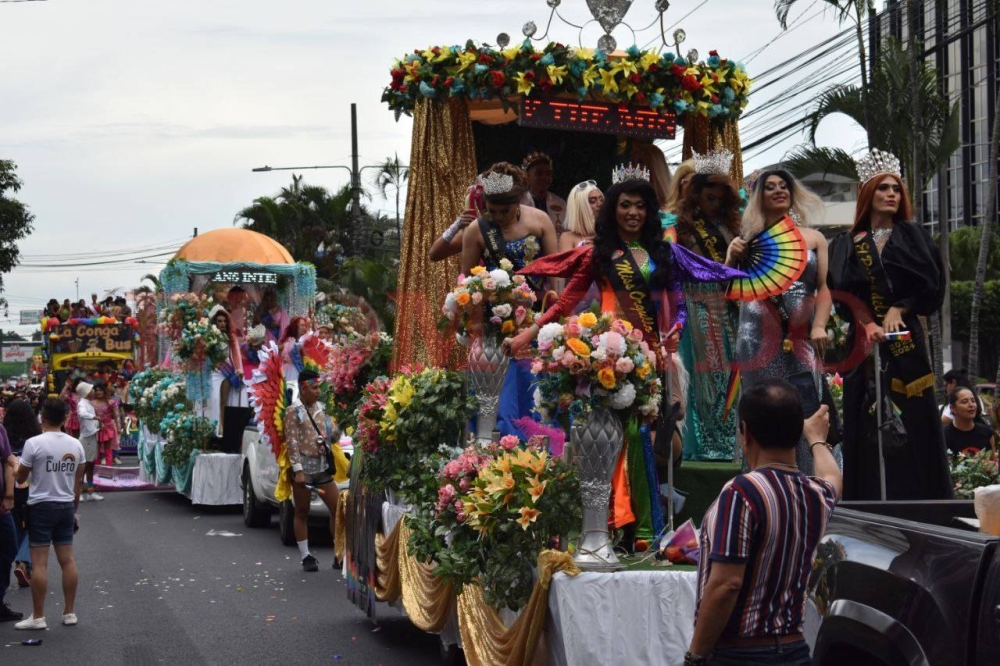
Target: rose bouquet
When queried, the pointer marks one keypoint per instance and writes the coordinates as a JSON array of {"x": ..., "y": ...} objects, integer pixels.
[
  {"x": 184, "y": 433},
  {"x": 493, "y": 303},
  {"x": 201, "y": 342},
  {"x": 497, "y": 507},
  {"x": 180, "y": 310},
  {"x": 168, "y": 395},
  {"x": 353, "y": 363},
  {"x": 592, "y": 361}
]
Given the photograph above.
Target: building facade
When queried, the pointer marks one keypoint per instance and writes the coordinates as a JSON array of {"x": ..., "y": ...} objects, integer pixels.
[{"x": 960, "y": 40}]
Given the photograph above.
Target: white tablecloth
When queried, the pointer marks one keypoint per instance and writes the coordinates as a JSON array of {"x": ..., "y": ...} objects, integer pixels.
[
  {"x": 216, "y": 479},
  {"x": 631, "y": 617}
]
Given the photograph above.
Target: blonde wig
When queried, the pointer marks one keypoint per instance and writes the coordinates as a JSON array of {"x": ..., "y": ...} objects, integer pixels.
[
  {"x": 807, "y": 209},
  {"x": 579, "y": 216}
]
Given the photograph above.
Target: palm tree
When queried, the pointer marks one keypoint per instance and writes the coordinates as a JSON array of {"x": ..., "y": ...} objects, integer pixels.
[
  {"x": 892, "y": 128},
  {"x": 313, "y": 224},
  {"x": 855, "y": 11},
  {"x": 989, "y": 220},
  {"x": 391, "y": 174}
]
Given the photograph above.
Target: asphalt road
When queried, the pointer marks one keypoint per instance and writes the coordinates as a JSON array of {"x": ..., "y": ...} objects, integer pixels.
[{"x": 155, "y": 588}]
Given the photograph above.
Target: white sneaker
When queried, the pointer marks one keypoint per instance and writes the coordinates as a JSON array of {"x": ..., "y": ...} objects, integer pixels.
[
  {"x": 69, "y": 619},
  {"x": 84, "y": 497},
  {"x": 97, "y": 498},
  {"x": 32, "y": 623}
]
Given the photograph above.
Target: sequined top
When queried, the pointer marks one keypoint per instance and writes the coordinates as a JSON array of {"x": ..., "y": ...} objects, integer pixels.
[
  {"x": 520, "y": 252},
  {"x": 761, "y": 350},
  {"x": 304, "y": 452}
]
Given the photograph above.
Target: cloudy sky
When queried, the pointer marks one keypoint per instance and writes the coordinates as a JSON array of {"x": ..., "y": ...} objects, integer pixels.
[{"x": 133, "y": 122}]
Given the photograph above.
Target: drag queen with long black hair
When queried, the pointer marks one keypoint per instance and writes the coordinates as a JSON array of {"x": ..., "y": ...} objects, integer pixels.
[{"x": 629, "y": 243}]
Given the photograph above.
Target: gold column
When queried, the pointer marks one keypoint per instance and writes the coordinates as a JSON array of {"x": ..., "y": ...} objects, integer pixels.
[{"x": 442, "y": 166}]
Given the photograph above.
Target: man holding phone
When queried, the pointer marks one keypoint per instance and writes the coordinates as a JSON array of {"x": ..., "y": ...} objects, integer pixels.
[
  {"x": 55, "y": 463},
  {"x": 759, "y": 537}
]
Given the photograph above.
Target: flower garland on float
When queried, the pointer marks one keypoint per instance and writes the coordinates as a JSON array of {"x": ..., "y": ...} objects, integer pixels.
[
  {"x": 716, "y": 88},
  {"x": 496, "y": 508}
]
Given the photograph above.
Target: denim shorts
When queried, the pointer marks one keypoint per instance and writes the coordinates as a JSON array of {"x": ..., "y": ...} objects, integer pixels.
[{"x": 51, "y": 523}]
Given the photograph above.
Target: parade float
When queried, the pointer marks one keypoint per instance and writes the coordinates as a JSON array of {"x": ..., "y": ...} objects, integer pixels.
[
  {"x": 482, "y": 542},
  {"x": 86, "y": 344},
  {"x": 179, "y": 439}
]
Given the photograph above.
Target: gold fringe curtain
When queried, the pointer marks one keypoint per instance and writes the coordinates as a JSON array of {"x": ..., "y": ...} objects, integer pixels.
[
  {"x": 703, "y": 135},
  {"x": 428, "y": 599},
  {"x": 442, "y": 166},
  {"x": 388, "y": 585},
  {"x": 429, "y": 602},
  {"x": 487, "y": 641},
  {"x": 340, "y": 527}
]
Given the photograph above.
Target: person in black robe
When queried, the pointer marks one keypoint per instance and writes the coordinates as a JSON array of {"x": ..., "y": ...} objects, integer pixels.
[{"x": 885, "y": 273}]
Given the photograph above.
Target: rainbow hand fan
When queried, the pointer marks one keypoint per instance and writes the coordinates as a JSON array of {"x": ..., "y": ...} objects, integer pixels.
[
  {"x": 775, "y": 258},
  {"x": 315, "y": 352}
]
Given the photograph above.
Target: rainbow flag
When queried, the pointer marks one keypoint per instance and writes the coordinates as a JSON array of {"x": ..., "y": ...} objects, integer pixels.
[{"x": 732, "y": 391}]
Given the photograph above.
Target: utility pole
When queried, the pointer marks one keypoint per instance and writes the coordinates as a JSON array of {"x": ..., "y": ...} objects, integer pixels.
[
  {"x": 77, "y": 281},
  {"x": 355, "y": 173}
]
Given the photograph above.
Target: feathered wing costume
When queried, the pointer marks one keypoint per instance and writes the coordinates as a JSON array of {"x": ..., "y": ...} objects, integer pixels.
[
  {"x": 267, "y": 391},
  {"x": 267, "y": 397}
]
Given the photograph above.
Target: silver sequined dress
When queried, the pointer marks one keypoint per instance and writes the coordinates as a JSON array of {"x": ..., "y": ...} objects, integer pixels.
[{"x": 761, "y": 350}]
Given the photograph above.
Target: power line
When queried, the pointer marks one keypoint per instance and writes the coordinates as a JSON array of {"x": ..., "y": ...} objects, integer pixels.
[
  {"x": 105, "y": 253},
  {"x": 107, "y": 262}
]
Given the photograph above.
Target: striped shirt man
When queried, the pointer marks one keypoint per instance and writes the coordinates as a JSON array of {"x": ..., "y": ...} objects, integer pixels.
[{"x": 772, "y": 520}]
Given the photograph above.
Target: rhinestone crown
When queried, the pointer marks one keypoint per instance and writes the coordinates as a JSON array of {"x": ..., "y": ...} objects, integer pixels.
[
  {"x": 877, "y": 163},
  {"x": 497, "y": 183},
  {"x": 622, "y": 173},
  {"x": 713, "y": 162}
]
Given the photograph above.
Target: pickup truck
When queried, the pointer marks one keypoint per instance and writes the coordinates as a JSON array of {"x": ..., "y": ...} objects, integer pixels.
[
  {"x": 258, "y": 480},
  {"x": 906, "y": 583}
]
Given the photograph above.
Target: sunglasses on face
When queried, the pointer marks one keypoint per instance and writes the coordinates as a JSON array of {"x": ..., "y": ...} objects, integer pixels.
[{"x": 585, "y": 184}]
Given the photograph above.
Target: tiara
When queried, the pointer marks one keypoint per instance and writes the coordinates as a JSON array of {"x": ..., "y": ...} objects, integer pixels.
[
  {"x": 534, "y": 158},
  {"x": 713, "y": 162},
  {"x": 877, "y": 163},
  {"x": 322, "y": 319},
  {"x": 497, "y": 183},
  {"x": 622, "y": 173}
]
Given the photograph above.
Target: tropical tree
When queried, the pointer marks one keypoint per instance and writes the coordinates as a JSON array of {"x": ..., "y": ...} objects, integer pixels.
[
  {"x": 392, "y": 176},
  {"x": 856, "y": 12},
  {"x": 313, "y": 224},
  {"x": 15, "y": 222},
  {"x": 375, "y": 281},
  {"x": 892, "y": 128},
  {"x": 965, "y": 243},
  {"x": 986, "y": 239}
]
